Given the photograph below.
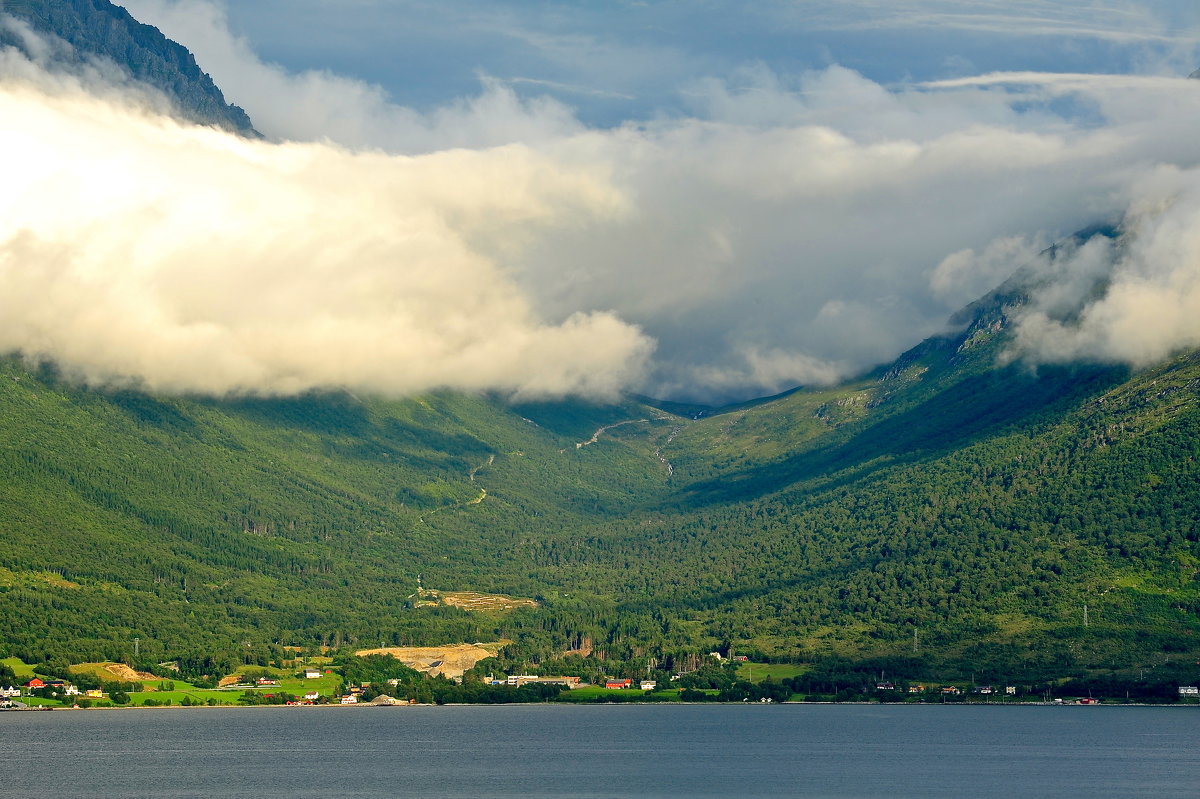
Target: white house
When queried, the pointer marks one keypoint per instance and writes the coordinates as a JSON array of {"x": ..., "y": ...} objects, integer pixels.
[
  {"x": 312, "y": 696},
  {"x": 1189, "y": 690},
  {"x": 648, "y": 685},
  {"x": 349, "y": 700},
  {"x": 9, "y": 692},
  {"x": 311, "y": 674}
]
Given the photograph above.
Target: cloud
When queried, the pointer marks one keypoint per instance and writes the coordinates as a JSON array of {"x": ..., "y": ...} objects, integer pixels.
[
  {"x": 316, "y": 105},
  {"x": 1135, "y": 301},
  {"x": 966, "y": 275},
  {"x": 135, "y": 250},
  {"x": 793, "y": 227},
  {"x": 1119, "y": 21}
]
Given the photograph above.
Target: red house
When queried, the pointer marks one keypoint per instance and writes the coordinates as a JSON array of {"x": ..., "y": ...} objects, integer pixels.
[
  {"x": 618, "y": 684},
  {"x": 35, "y": 683}
]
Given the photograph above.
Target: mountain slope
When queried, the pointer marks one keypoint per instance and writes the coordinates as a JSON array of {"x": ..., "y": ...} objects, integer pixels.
[{"x": 97, "y": 29}]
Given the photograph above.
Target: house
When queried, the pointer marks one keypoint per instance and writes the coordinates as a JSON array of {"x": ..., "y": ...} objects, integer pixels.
[
  {"x": 648, "y": 685},
  {"x": 1189, "y": 690},
  {"x": 8, "y": 692},
  {"x": 916, "y": 689},
  {"x": 70, "y": 690},
  {"x": 311, "y": 674},
  {"x": 1010, "y": 690},
  {"x": 94, "y": 693},
  {"x": 885, "y": 686},
  {"x": 350, "y": 699},
  {"x": 983, "y": 689},
  {"x": 262, "y": 681},
  {"x": 741, "y": 658},
  {"x": 34, "y": 683},
  {"x": 952, "y": 690},
  {"x": 312, "y": 696},
  {"x": 1087, "y": 700},
  {"x": 618, "y": 684}
]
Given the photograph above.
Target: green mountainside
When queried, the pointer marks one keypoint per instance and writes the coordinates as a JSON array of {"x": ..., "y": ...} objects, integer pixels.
[
  {"x": 944, "y": 515},
  {"x": 99, "y": 29},
  {"x": 944, "y": 507}
]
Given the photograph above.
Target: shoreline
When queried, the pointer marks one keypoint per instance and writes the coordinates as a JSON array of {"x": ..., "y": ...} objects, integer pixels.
[{"x": 332, "y": 706}]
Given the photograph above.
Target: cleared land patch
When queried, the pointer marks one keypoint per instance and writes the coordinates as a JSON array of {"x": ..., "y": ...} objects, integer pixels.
[{"x": 450, "y": 661}]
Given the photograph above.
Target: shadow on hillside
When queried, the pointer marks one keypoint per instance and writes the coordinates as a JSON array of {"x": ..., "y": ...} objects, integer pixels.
[{"x": 999, "y": 401}]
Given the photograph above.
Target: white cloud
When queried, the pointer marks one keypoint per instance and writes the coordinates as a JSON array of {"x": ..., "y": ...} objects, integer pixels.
[
  {"x": 1136, "y": 301},
  {"x": 796, "y": 228},
  {"x": 138, "y": 251}
]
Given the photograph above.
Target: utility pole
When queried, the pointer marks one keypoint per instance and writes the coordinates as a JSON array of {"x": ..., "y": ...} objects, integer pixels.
[
  {"x": 136, "y": 641},
  {"x": 1085, "y": 618},
  {"x": 914, "y": 640}
]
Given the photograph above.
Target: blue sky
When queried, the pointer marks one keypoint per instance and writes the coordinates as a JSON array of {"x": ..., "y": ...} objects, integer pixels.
[{"x": 619, "y": 60}]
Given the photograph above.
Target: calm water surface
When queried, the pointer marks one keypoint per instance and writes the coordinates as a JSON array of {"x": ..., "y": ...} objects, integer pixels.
[{"x": 604, "y": 751}]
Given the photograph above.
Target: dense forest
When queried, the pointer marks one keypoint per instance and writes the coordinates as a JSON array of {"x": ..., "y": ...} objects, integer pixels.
[{"x": 980, "y": 519}]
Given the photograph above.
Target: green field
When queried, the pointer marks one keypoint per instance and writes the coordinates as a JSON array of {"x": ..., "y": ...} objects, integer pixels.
[
  {"x": 757, "y": 672},
  {"x": 23, "y": 670}
]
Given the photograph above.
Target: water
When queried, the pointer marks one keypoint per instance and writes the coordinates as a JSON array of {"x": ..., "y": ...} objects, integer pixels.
[{"x": 604, "y": 751}]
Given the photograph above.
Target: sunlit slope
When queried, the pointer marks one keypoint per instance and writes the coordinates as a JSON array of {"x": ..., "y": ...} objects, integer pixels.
[
  {"x": 973, "y": 506},
  {"x": 292, "y": 514}
]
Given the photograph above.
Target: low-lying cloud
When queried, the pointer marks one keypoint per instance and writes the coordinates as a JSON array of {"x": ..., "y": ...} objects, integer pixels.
[
  {"x": 1135, "y": 300},
  {"x": 135, "y": 250},
  {"x": 792, "y": 229}
]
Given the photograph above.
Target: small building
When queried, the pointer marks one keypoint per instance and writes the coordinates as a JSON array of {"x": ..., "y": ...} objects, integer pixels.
[
  {"x": 349, "y": 699},
  {"x": 648, "y": 685},
  {"x": 312, "y": 696},
  {"x": 34, "y": 684},
  {"x": 983, "y": 689},
  {"x": 94, "y": 693},
  {"x": 885, "y": 686},
  {"x": 742, "y": 658},
  {"x": 618, "y": 684},
  {"x": 9, "y": 691},
  {"x": 311, "y": 674},
  {"x": 1189, "y": 690},
  {"x": 916, "y": 689},
  {"x": 952, "y": 690},
  {"x": 517, "y": 680},
  {"x": 70, "y": 690},
  {"x": 1010, "y": 690},
  {"x": 263, "y": 681}
]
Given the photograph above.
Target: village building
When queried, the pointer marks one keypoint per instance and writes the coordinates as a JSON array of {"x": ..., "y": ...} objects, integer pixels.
[
  {"x": 1010, "y": 690},
  {"x": 349, "y": 699},
  {"x": 618, "y": 684},
  {"x": 311, "y": 674},
  {"x": 262, "y": 681},
  {"x": 9, "y": 692},
  {"x": 1189, "y": 690},
  {"x": 648, "y": 685}
]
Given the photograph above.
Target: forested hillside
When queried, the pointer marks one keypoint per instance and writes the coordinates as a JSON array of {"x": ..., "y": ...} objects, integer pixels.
[
  {"x": 944, "y": 507},
  {"x": 958, "y": 512}
]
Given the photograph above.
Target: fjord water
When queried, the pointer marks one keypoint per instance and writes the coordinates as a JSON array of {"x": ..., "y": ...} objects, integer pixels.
[{"x": 605, "y": 751}]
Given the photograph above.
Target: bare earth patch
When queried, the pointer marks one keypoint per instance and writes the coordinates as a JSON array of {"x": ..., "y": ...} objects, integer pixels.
[
  {"x": 114, "y": 671},
  {"x": 450, "y": 661},
  {"x": 474, "y": 601}
]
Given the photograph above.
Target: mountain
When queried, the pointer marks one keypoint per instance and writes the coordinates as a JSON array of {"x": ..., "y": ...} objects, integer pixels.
[
  {"x": 944, "y": 508},
  {"x": 952, "y": 513},
  {"x": 97, "y": 29}
]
